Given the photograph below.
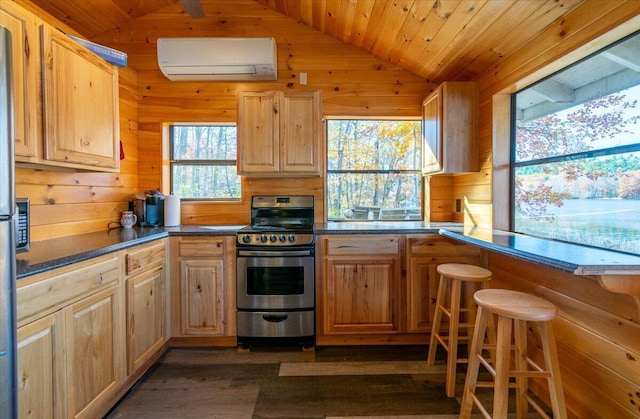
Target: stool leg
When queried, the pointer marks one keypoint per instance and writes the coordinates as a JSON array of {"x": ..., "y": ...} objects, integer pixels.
[
  {"x": 437, "y": 318},
  {"x": 491, "y": 328},
  {"x": 553, "y": 366},
  {"x": 474, "y": 363},
  {"x": 522, "y": 387},
  {"x": 503, "y": 359},
  {"x": 454, "y": 321}
]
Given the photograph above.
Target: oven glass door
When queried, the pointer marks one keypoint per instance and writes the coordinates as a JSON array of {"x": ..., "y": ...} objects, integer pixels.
[{"x": 275, "y": 281}]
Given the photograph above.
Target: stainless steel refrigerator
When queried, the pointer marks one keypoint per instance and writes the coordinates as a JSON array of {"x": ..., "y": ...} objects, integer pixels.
[{"x": 8, "y": 349}]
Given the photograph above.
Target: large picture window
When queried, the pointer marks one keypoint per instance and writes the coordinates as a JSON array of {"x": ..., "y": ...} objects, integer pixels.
[
  {"x": 575, "y": 163},
  {"x": 373, "y": 170},
  {"x": 203, "y": 162}
]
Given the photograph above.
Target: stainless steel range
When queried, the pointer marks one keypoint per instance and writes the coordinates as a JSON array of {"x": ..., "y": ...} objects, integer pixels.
[{"x": 276, "y": 272}]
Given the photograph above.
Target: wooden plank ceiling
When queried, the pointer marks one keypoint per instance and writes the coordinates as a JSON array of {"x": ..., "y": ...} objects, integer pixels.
[{"x": 436, "y": 39}]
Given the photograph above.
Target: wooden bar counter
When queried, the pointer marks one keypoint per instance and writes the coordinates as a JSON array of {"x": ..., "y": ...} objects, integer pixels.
[{"x": 597, "y": 293}]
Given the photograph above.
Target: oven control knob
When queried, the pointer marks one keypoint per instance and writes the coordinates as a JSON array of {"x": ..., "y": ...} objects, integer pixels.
[
  {"x": 283, "y": 238},
  {"x": 292, "y": 238},
  {"x": 246, "y": 238},
  {"x": 273, "y": 238},
  {"x": 263, "y": 238}
]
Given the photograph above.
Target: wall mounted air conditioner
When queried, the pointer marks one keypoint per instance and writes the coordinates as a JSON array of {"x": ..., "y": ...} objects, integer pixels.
[{"x": 218, "y": 59}]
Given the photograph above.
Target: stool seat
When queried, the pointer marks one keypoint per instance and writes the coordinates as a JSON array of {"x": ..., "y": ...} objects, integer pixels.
[
  {"x": 509, "y": 360},
  {"x": 516, "y": 305},
  {"x": 450, "y": 289},
  {"x": 464, "y": 272}
]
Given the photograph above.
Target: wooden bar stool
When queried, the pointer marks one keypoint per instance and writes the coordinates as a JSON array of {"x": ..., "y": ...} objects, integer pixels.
[
  {"x": 452, "y": 275},
  {"x": 515, "y": 309}
]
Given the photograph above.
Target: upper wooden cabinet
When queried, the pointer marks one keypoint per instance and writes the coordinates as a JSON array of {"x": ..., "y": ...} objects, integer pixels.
[
  {"x": 27, "y": 103},
  {"x": 279, "y": 133},
  {"x": 450, "y": 119},
  {"x": 80, "y": 93},
  {"x": 65, "y": 97}
]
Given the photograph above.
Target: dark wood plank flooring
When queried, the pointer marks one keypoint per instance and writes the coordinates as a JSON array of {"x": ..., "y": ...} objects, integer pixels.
[{"x": 285, "y": 382}]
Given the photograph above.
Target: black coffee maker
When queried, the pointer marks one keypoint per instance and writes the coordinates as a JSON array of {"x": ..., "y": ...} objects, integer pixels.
[{"x": 150, "y": 209}]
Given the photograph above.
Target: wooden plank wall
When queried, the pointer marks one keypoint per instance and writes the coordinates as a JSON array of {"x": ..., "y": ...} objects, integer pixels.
[
  {"x": 352, "y": 83},
  {"x": 597, "y": 331},
  {"x": 66, "y": 203},
  {"x": 561, "y": 44}
]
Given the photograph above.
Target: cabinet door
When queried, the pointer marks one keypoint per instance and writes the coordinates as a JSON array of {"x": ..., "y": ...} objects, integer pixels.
[
  {"x": 26, "y": 80},
  {"x": 41, "y": 368},
  {"x": 450, "y": 118},
  {"x": 422, "y": 288},
  {"x": 94, "y": 353},
  {"x": 360, "y": 295},
  {"x": 258, "y": 132},
  {"x": 80, "y": 105},
  {"x": 425, "y": 253},
  {"x": 432, "y": 132},
  {"x": 145, "y": 316},
  {"x": 300, "y": 132},
  {"x": 203, "y": 302}
]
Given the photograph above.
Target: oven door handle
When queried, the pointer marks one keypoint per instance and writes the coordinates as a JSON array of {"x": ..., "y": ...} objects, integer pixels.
[
  {"x": 275, "y": 318},
  {"x": 275, "y": 253}
]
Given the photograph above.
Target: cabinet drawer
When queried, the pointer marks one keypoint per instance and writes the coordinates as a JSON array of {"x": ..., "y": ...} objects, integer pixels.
[
  {"x": 53, "y": 290},
  {"x": 144, "y": 257},
  {"x": 435, "y": 244},
  {"x": 200, "y": 247},
  {"x": 370, "y": 245}
]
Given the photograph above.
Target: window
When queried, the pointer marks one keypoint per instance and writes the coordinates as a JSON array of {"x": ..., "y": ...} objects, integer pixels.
[
  {"x": 373, "y": 170},
  {"x": 575, "y": 164},
  {"x": 203, "y": 162}
]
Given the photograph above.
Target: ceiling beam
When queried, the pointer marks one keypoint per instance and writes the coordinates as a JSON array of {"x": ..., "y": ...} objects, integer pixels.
[
  {"x": 554, "y": 92},
  {"x": 625, "y": 55}
]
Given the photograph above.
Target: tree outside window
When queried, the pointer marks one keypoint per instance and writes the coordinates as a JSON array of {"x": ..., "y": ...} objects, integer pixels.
[
  {"x": 576, "y": 163},
  {"x": 203, "y": 162},
  {"x": 373, "y": 170}
]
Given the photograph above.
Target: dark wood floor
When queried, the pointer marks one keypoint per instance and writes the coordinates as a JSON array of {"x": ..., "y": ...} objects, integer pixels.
[{"x": 285, "y": 382}]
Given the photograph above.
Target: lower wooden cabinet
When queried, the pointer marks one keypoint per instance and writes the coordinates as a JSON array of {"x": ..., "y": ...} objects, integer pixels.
[
  {"x": 70, "y": 339},
  {"x": 203, "y": 297},
  {"x": 145, "y": 317},
  {"x": 146, "y": 303},
  {"x": 203, "y": 286},
  {"x": 423, "y": 255},
  {"x": 381, "y": 288},
  {"x": 70, "y": 362},
  {"x": 94, "y": 355},
  {"x": 85, "y": 329},
  {"x": 41, "y": 368},
  {"x": 361, "y": 284}
]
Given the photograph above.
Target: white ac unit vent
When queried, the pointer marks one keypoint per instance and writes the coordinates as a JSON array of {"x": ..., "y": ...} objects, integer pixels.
[{"x": 218, "y": 59}]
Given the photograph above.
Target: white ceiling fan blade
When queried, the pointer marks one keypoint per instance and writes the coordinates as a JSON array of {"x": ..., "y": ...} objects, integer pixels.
[{"x": 193, "y": 7}]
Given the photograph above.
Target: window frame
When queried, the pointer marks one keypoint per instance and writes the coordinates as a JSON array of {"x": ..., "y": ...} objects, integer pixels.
[
  {"x": 418, "y": 171},
  {"x": 204, "y": 162},
  {"x": 514, "y": 164}
]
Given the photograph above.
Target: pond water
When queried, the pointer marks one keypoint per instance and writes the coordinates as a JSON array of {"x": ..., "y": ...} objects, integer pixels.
[{"x": 608, "y": 223}]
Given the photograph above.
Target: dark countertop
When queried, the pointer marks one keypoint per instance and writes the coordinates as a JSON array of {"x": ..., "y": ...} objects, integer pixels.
[
  {"x": 578, "y": 260},
  {"x": 568, "y": 257},
  {"x": 55, "y": 253}
]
